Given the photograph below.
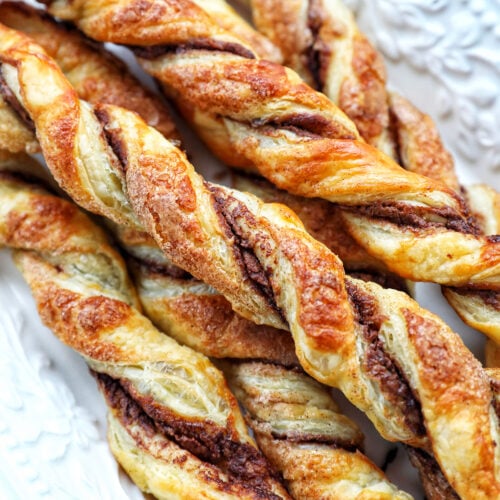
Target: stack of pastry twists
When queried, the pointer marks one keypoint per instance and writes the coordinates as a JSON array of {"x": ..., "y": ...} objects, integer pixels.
[
  {"x": 321, "y": 41},
  {"x": 149, "y": 436},
  {"x": 418, "y": 143},
  {"x": 397, "y": 362},
  {"x": 472, "y": 304},
  {"x": 173, "y": 424},
  {"x": 93, "y": 70},
  {"x": 97, "y": 75},
  {"x": 254, "y": 113},
  {"x": 193, "y": 313}
]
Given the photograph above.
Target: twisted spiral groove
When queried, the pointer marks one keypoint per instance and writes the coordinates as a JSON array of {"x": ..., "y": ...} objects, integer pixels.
[
  {"x": 170, "y": 408},
  {"x": 254, "y": 113},
  {"x": 321, "y": 41}
]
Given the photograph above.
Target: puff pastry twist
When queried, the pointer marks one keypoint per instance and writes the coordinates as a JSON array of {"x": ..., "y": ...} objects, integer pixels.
[
  {"x": 321, "y": 41},
  {"x": 254, "y": 113},
  {"x": 303, "y": 434},
  {"x": 96, "y": 74},
  {"x": 383, "y": 351},
  {"x": 174, "y": 425}
]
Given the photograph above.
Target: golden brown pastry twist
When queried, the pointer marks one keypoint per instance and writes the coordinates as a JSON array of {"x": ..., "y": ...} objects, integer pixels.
[
  {"x": 321, "y": 41},
  {"x": 255, "y": 113},
  {"x": 96, "y": 74},
  {"x": 174, "y": 425},
  {"x": 303, "y": 434},
  {"x": 376, "y": 345}
]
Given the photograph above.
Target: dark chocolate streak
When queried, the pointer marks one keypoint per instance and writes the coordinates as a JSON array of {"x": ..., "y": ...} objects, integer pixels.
[
  {"x": 150, "y": 268},
  {"x": 405, "y": 215},
  {"x": 379, "y": 364},
  {"x": 311, "y": 125},
  {"x": 317, "y": 54},
  {"x": 154, "y": 51},
  {"x": 10, "y": 98},
  {"x": 490, "y": 297},
  {"x": 302, "y": 437},
  {"x": 240, "y": 461},
  {"x": 243, "y": 253},
  {"x": 115, "y": 142},
  {"x": 435, "y": 484},
  {"x": 495, "y": 402}
]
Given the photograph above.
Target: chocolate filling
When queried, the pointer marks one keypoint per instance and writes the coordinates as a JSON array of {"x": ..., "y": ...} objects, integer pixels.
[
  {"x": 435, "y": 484},
  {"x": 239, "y": 460},
  {"x": 114, "y": 140},
  {"x": 302, "y": 437},
  {"x": 244, "y": 255},
  {"x": 495, "y": 402},
  {"x": 490, "y": 297},
  {"x": 402, "y": 214},
  {"x": 310, "y": 125},
  {"x": 317, "y": 54},
  {"x": 151, "y": 267},
  {"x": 379, "y": 364},
  {"x": 10, "y": 98},
  {"x": 154, "y": 51}
]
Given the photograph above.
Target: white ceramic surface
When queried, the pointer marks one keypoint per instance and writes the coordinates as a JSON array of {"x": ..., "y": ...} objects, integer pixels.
[{"x": 444, "y": 56}]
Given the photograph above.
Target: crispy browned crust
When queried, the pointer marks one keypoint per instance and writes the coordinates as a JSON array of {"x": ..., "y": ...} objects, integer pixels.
[
  {"x": 158, "y": 391},
  {"x": 322, "y": 219},
  {"x": 256, "y": 113},
  {"x": 321, "y": 42},
  {"x": 96, "y": 74},
  {"x": 299, "y": 428},
  {"x": 226, "y": 17},
  {"x": 384, "y": 352},
  {"x": 419, "y": 144}
]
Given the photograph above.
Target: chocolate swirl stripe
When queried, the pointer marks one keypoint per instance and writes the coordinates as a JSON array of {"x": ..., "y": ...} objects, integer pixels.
[
  {"x": 96, "y": 74},
  {"x": 257, "y": 114},
  {"x": 260, "y": 257},
  {"x": 171, "y": 410},
  {"x": 322, "y": 42},
  {"x": 296, "y": 423}
]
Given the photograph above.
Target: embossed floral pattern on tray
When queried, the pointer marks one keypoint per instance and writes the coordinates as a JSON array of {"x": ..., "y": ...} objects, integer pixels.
[
  {"x": 456, "y": 44},
  {"x": 50, "y": 446}
]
